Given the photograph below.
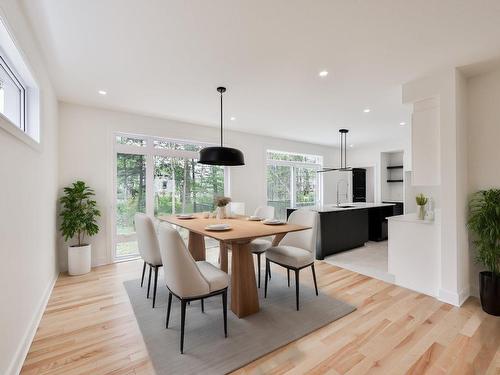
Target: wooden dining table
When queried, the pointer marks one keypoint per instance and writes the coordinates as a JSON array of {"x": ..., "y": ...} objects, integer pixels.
[{"x": 244, "y": 297}]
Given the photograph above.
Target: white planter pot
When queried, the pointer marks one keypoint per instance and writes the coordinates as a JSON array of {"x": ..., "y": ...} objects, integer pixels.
[{"x": 79, "y": 259}]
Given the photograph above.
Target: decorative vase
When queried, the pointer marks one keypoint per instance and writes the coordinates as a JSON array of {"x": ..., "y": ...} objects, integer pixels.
[
  {"x": 79, "y": 259},
  {"x": 221, "y": 212},
  {"x": 489, "y": 291},
  {"x": 421, "y": 212}
]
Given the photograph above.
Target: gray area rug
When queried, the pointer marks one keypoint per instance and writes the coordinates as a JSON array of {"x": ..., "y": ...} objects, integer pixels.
[{"x": 206, "y": 351}]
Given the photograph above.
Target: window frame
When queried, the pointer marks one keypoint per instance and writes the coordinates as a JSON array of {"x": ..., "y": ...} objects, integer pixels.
[
  {"x": 18, "y": 81},
  {"x": 149, "y": 151},
  {"x": 297, "y": 164},
  {"x": 16, "y": 66}
]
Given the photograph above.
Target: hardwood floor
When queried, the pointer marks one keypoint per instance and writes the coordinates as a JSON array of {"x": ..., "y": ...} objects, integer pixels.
[{"x": 89, "y": 328}]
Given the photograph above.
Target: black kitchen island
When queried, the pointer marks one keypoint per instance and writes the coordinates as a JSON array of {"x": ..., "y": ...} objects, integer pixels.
[{"x": 349, "y": 225}]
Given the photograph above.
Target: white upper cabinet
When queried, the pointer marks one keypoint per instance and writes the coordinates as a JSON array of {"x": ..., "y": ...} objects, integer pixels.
[{"x": 425, "y": 143}]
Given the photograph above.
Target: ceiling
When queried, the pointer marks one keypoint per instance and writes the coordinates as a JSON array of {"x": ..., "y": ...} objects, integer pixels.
[{"x": 166, "y": 58}]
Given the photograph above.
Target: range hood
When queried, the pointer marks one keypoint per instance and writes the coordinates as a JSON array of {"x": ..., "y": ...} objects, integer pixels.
[{"x": 343, "y": 154}]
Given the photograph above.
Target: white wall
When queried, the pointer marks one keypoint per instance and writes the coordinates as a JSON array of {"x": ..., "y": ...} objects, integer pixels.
[
  {"x": 28, "y": 205},
  {"x": 86, "y": 153},
  {"x": 412, "y": 191},
  {"x": 371, "y": 156},
  {"x": 483, "y": 107},
  {"x": 448, "y": 86}
]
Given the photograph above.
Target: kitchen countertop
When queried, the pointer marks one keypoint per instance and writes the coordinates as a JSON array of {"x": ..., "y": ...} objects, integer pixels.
[
  {"x": 343, "y": 206},
  {"x": 411, "y": 218}
]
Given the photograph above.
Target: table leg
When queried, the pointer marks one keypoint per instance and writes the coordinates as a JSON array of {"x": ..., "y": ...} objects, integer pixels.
[
  {"x": 223, "y": 256},
  {"x": 244, "y": 297},
  {"x": 196, "y": 246}
]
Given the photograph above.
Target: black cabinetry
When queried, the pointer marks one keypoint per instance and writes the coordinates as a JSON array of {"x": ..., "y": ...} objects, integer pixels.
[{"x": 359, "y": 185}]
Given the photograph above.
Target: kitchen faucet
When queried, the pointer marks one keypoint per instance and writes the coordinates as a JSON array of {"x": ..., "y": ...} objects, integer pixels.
[{"x": 346, "y": 190}]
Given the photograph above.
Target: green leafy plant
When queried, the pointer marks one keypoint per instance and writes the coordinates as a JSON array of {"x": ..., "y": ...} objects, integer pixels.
[
  {"x": 79, "y": 212},
  {"x": 421, "y": 200},
  {"x": 484, "y": 222}
]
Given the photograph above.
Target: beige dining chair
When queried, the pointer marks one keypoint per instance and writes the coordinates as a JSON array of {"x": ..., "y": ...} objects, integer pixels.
[
  {"x": 260, "y": 245},
  {"x": 296, "y": 250},
  {"x": 149, "y": 249},
  {"x": 187, "y": 279}
]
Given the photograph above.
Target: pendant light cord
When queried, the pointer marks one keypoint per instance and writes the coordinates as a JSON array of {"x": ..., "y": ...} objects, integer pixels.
[{"x": 221, "y": 133}]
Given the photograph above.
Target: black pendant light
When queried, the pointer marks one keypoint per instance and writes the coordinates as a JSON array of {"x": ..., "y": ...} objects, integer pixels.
[
  {"x": 221, "y": 155},
  {"x": 343, "y": 154}
]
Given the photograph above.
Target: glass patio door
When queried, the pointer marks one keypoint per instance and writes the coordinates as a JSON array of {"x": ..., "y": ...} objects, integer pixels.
[
  {"x": 158, "y": 177},
  {"x": 130, "y": 198}
]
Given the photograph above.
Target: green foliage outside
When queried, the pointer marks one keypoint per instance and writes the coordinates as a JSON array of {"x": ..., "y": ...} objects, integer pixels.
[
  {"x": 279, "y": 186},
  {"x": 79, "y": 212},
  {"x": 484, "y": 222},
  {"x": 189, "y": 187}
]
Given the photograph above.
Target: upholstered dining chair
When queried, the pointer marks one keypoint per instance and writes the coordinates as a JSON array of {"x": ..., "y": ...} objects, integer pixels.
[
  {"x": 149, "y": 249},
  {"x": 260, "y": 245},
  {"x": 296, "y": 250},
  {"x": 187, "y": 279}
]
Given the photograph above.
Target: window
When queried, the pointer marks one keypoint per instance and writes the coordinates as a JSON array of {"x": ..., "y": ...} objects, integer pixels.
[
  {"x": 12, "y": 94},
  {"x": 19, "y": 93},
  {"x": 159, "y": 177},
  {"x": 292, "y": 181}
]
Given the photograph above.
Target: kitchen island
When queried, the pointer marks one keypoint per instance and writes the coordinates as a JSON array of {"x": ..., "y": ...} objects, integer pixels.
[{"x": 349, "y": 225}]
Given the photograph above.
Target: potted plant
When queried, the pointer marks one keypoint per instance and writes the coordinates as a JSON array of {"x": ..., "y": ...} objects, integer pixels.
[
  {"x": 79, "y": 214},
  {"x": 484, "y": 222},
  {"x": 421, "y": 202}
]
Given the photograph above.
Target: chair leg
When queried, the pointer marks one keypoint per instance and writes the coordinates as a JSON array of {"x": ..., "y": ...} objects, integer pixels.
[
  {"x": 297, "y": 288},
  {"x": 202, "y": 306},
  {"x": 314, "y": 278},
  {"x": 168, "y": 308},
  {"x": 224, "y": 311},
  {"x": 149, "y": 279},
  {"x": 258, "y": 267},
  {"x": 154, "y": 286},
  {"x": 143, "y": 272},
  {"x": 265, "y": 282},
  {"x": 183, "y": 321},
  {"x": 288, "y": 276},
  {"x": 269, "y": 272}
]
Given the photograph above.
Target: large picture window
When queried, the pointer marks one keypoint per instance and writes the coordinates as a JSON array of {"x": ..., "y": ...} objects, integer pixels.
[
  {"x": 292, "y": 181},
  {"x": 159, "y": 176}
]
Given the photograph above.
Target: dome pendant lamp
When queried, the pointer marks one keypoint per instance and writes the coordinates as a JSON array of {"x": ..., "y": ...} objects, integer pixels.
[{"x": 221, "y": 155}]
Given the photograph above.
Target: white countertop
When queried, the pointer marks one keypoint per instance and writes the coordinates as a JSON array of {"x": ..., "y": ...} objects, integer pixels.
[
  {"x": 410, "y": 218},
  {"x": 342, "y": 207}
]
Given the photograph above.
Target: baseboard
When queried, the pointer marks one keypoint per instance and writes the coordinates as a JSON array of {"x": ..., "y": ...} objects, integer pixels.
[
  {"x": 24, "y": 346},
  {"x": 453, "y": 298}
]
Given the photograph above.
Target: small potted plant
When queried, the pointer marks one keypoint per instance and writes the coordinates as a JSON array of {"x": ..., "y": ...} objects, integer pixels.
[
  {"x": 221, "y": 203},
  {"x": 484, "y": 222},
  {"x": 79, "y": 214},
  {"x": 421, "y": 202}
]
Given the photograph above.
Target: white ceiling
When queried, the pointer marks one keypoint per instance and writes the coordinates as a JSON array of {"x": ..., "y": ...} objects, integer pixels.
[{"x": 166, "y": 58}]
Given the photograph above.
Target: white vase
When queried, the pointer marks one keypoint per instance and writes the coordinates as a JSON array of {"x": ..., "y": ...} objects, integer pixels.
[
  {"x": 79, "y": 259},
  {"x": 421, "y": 212},
  {"x": 221, "y": 212}
]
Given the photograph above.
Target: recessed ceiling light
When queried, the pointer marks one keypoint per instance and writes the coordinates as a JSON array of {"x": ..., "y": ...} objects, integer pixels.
[
  {"x": 102, "y": 92},
  {"x": 323, "y": 73},
  {"x": 402, "y": 123},
  {"x": 351, "y": 146},
  {"x": 366, "y": 110},
  {"x": 233, "y": 118}
]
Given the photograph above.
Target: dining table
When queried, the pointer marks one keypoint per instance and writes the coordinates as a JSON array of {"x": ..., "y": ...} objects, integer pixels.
[{"x": 244, "y": 296}]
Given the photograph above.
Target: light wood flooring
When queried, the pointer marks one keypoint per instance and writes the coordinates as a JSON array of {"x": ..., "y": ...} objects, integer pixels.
[{"x": 89, "y": 328}]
